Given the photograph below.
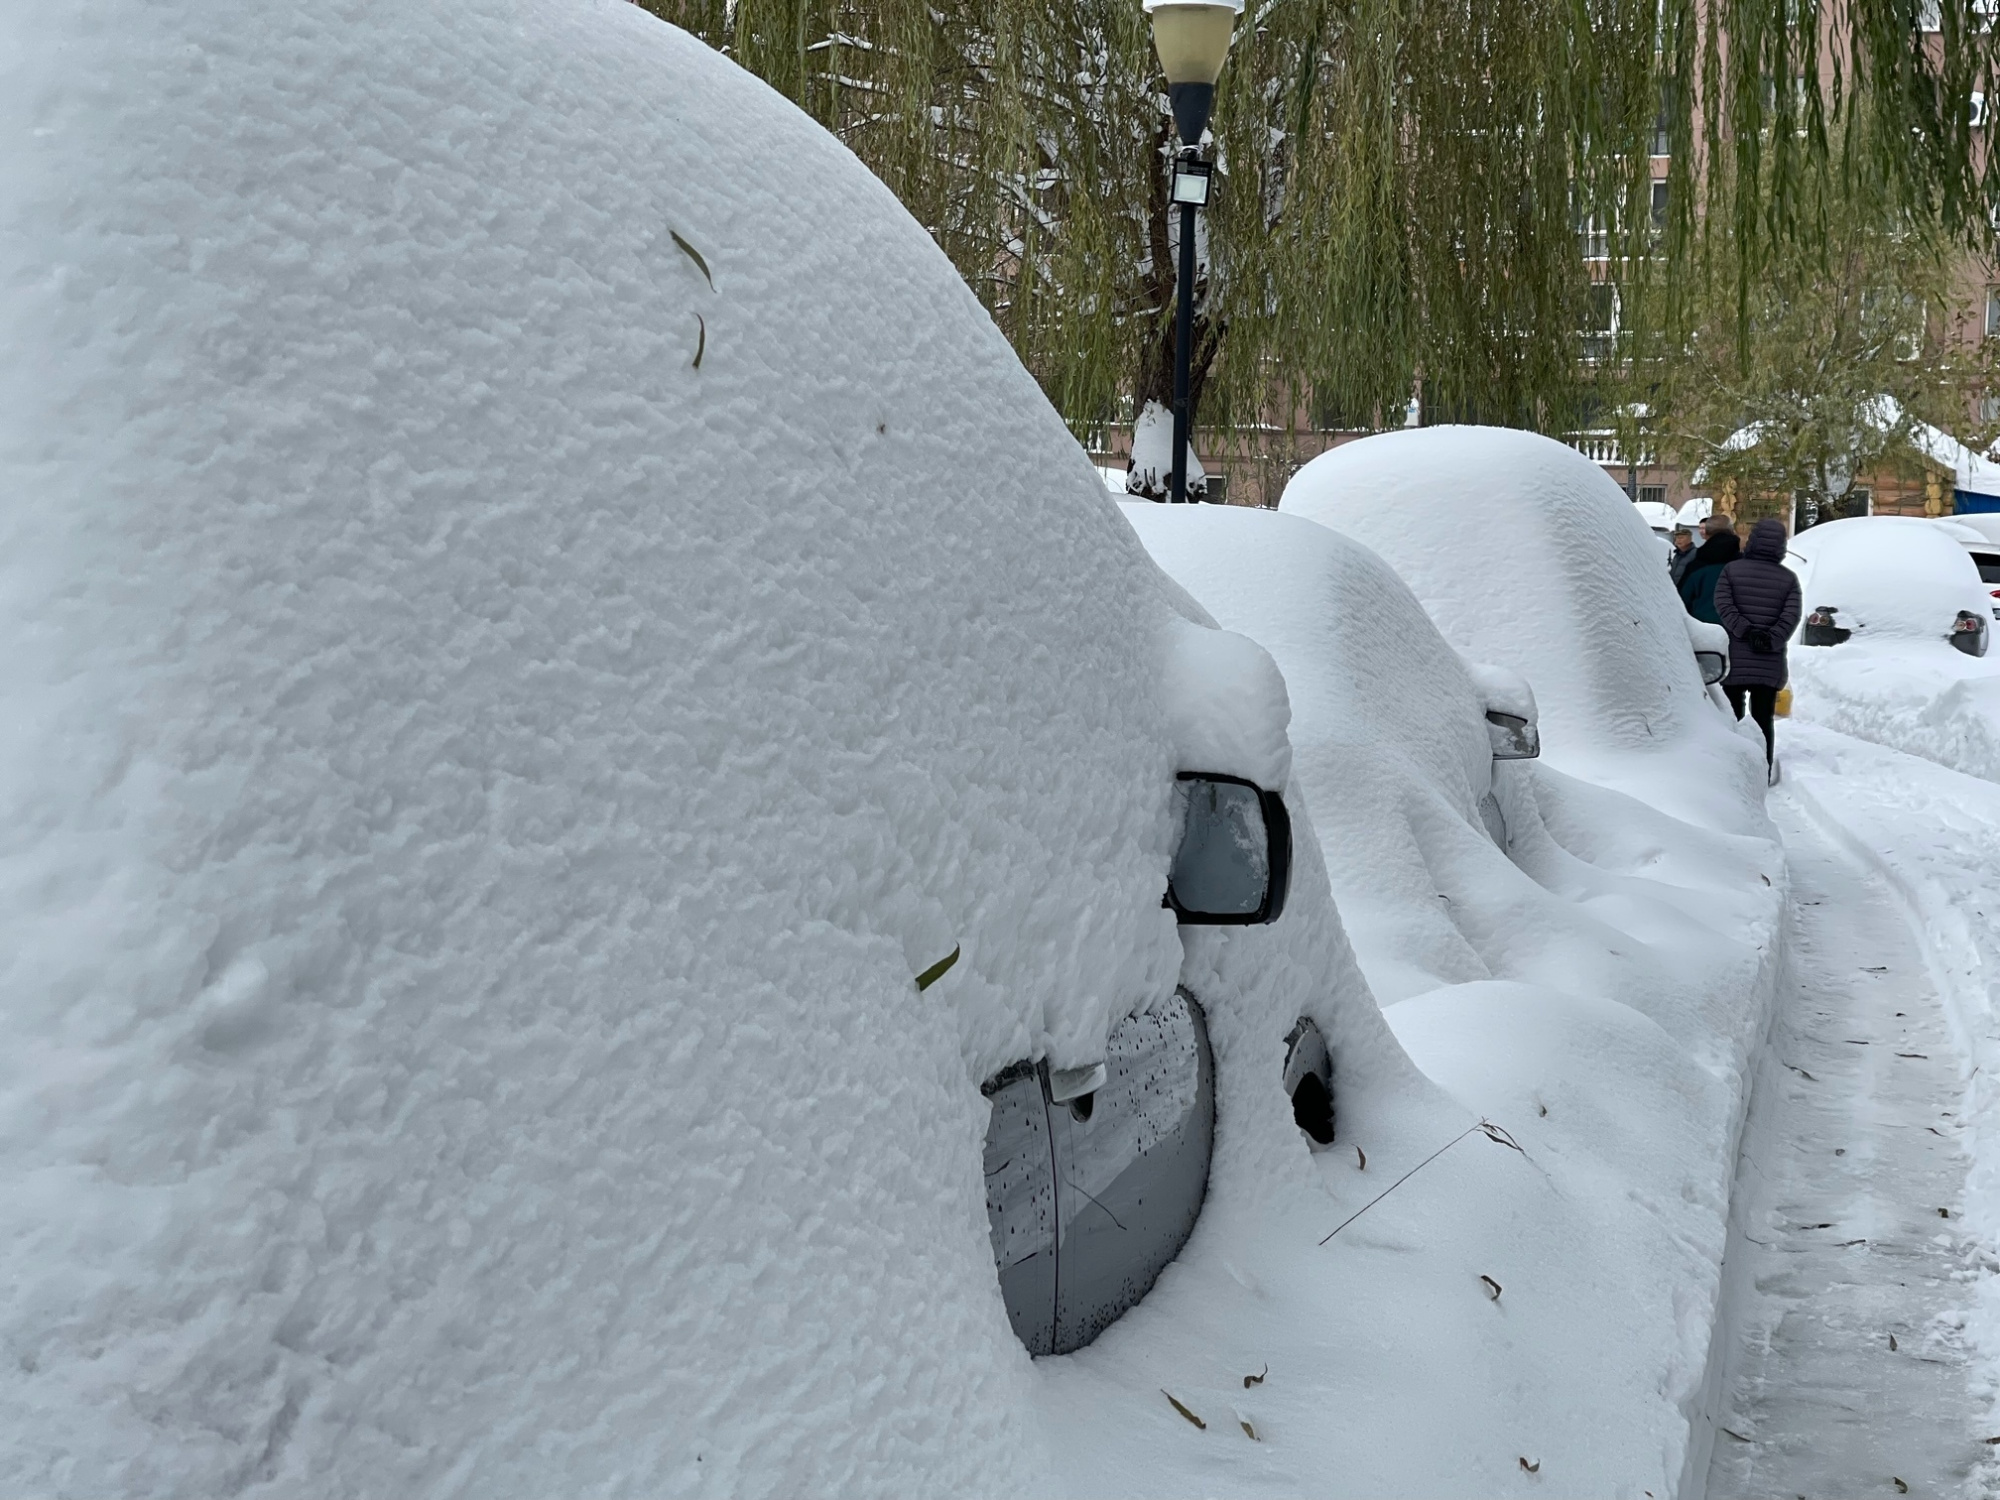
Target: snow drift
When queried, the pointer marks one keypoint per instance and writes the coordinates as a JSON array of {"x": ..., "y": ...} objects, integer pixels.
[{"x": 498, "y": 710}]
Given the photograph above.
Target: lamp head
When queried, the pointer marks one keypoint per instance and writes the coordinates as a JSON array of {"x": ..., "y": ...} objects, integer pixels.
[{"x": 1192, "y": 38}]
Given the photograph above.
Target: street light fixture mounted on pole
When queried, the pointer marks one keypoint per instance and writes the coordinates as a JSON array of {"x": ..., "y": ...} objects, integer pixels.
[{"x": 1192, "y": 38}]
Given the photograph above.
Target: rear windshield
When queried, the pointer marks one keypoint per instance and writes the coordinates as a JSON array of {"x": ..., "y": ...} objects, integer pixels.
[{"x": 1989, "y": 565}]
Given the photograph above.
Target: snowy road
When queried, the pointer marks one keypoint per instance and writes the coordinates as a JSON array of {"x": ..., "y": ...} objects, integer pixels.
[{"x": 1848, "y": 1367}]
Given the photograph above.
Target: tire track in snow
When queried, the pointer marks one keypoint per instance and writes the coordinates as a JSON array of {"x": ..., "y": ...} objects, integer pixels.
[{"x": 1847, "y": 1370}]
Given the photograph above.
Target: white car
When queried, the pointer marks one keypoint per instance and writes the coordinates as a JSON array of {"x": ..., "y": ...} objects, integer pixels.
[
  {"x": 1980, "y": 536},
  {"x": 1663, "y": 518},
  {"x": 1889, "y": 578}
]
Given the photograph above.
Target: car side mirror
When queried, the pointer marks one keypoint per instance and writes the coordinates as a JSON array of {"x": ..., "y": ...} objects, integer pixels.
[
  {"x": 1234, "y": 863},
  {"x": 1714, "y": 666},
  {"x": 1511, "y": 736}
]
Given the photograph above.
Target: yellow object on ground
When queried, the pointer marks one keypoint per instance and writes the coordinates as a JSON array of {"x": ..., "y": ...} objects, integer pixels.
[{"x": 1784, "y": 705}]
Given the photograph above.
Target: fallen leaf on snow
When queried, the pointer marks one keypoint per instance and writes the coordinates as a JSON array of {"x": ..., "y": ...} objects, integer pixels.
[
  {"x": 1183, "y": 1410},
  {"x": 694, "y": 255},
  {"x": 1892, "y": 1343},
  {"x": 1257, "y": 1379},
  {"x": 1493, "y": 1287},
  {"x": 1532, "y": 1468},
  {"x": 1361, "y": 1157}
]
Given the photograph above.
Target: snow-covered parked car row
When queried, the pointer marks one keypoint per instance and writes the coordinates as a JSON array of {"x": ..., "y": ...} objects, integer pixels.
[{"x": 623, "y": 875}]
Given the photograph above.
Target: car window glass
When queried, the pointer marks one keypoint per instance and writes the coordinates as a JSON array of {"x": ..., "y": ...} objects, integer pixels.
[
  {"x": 1222, "y": 866},
  {"x": 1087, "y": 1201}
]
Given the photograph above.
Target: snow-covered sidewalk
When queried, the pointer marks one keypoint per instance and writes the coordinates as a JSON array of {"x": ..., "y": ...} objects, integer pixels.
[
  {"x": 1847, "y": 1363},
  {"x": 1928, "y": 839}
]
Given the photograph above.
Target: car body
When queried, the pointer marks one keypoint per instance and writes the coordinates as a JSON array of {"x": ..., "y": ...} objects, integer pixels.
[
  {"x": 1888, "y": 578},
  {"x": 1980, "y": 536}
]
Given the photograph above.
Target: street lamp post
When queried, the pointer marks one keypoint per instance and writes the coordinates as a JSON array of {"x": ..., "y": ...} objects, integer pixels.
[{"x": 1192, "y": 38}]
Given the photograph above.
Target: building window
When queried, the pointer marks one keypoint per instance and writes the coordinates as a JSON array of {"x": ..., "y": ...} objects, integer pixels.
[
  {"x": 1600, "y": 321},
  {"x": 1992, "y": 311},
  {"x": 1659, "y": 204},
  {"x": 1218, "y": 489},
  {"x": 1989, "y": 408},
  {"x": 1652, "y": 494}
]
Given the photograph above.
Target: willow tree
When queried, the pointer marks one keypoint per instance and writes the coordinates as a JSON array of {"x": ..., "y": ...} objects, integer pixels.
[
  {"x": 1401, "y": 183},
  {"x": 1831, "y": 360}
]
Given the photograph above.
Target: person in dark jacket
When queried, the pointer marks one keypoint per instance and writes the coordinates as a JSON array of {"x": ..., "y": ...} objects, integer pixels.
[
  {"x": 1682, "y": 557},
  {"x": 1698, "y": 583},
  {"x": 1757, "y": 600}
]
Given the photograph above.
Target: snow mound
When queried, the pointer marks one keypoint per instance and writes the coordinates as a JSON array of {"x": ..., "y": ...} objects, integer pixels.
[
  {"x": 1920, "y": 697},
  {"x": 500, "y": 703},
  {"x": 1528, "y": 556}
]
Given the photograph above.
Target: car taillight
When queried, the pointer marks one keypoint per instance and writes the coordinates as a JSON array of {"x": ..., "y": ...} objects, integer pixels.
[
  {"x": 1820, "y": 617},
  {"x": 1968, "y": 621}
]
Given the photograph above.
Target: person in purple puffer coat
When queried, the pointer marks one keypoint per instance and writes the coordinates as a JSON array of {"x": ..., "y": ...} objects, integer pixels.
[{"x": 1757, "y": 598}]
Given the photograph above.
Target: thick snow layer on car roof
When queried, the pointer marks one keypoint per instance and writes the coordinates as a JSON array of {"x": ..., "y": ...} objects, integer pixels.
[
  {"x": 537, "y": 601},
  {"x": 1890, "y": 576},
  {"x": 1528, "y": 556}
]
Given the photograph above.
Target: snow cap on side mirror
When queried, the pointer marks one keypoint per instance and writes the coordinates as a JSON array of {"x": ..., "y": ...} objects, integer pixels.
[
  {"x": 1512, "y": 730},
  {"x": 1710, "y": 644}
]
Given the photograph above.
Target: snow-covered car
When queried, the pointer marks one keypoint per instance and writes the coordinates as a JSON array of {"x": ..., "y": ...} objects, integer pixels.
[
  {"x": 1659, "y": 515},
  {"x": 1694, "y": 511},
  {"x": 1889, "y": 577},
  {"x": 505, "y": 739},
  {"x": 1527, "y": 555}
]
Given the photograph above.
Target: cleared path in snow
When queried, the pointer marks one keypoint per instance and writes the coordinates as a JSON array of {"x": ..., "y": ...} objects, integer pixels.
[{"x": 1848, "y": 1371}]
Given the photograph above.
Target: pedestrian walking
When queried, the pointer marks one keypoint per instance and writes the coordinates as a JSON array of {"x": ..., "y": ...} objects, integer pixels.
[
  {"x": 1682, "y": 555},
  {"x": 1716, "y": 553},
  {"x": 1757, "y": 600}
]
